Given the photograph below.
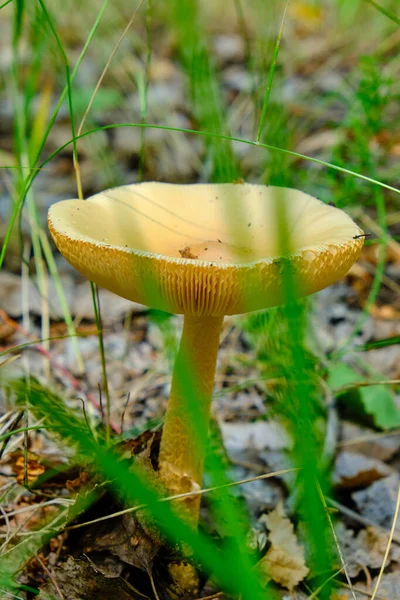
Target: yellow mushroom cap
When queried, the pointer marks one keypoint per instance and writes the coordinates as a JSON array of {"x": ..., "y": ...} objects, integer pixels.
[{"x": 204, "y": 249}]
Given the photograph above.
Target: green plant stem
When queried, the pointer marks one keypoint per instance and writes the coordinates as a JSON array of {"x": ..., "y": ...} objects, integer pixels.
[{"x": 99, "y": 330}]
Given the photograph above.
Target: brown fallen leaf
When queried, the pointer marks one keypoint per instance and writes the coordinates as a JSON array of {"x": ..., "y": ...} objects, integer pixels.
[
  {"x": 284, "y": 562},
  {"x": 33, "y": 467}
]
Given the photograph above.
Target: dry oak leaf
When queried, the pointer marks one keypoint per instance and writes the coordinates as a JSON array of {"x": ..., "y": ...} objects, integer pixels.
[{"x": 284, "y": 562}]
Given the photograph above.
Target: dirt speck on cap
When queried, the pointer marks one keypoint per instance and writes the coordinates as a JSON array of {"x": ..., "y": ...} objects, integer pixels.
[{"x": 186, "y": 253}]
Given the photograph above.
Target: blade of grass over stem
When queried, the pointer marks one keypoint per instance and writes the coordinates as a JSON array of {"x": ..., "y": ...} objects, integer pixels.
[
  {"x": 187, "y": 382},
  {"x": 132, "y": 486},
  {"x": 299, "y": 406},
  {"x": 271, "y": 75},
  {"x": 186, "y": 495}
]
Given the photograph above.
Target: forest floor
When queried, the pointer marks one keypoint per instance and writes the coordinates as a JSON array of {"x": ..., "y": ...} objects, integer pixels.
[{"x": 330, "y": 85}]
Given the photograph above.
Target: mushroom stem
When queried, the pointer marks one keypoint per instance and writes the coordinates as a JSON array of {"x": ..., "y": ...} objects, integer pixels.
[{"x": 185, "y": 434}]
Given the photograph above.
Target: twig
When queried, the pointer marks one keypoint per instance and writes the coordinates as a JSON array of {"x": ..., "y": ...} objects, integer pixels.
[
  {"x": 11, "y": 425},
  {"x": 217, "y": 595},
  {"x": 26, "y": 451},
  {"x": 153, "y": 585},
  {"x": 357, "y": 384},
  {"x": 337, "y": 544},
  {"x": 17, "y": 532},
  {"x": 124, "y": 411},
  {"x": 8, "y": 526},
  {"x": 318, "y": 590},
  {"x": 85, "y": 416},
  {"x": 53, "y": 579},
  {"x": 360, "y": 519},
  {"x": 365, "y": 593},
  {"x": 59, "y": 501},
  {"x": 369, "y": 438}
]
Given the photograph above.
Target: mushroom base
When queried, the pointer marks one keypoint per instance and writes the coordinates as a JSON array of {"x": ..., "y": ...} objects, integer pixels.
[{"x": 185, "y": 434}]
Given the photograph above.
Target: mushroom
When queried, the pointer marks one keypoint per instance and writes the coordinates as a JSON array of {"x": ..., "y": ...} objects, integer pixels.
[{"x": 204, "y": 251}]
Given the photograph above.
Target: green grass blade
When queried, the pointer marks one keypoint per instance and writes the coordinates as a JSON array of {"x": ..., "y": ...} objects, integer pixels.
[
  {"x": 391, "y": 341},
  {"x": 206, "y": 99},
  {"x": 99, "y": 329},
  {"x": 63, "y": 300},
  {"x": 384, "y": 11},
  {"x": 202, "y": 133},
  {"x": 271, "y": 75},
  {"x": 34, "y": 168},
  {"x": 312, "y": 159},
  {"x": 5, "y": 3}
]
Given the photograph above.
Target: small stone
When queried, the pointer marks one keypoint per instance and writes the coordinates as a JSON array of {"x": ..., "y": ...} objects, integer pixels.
[
  {"x": 353, "y": 470},
  {"x": 259, "y": 435},
  {"x": 378, "y": 502}
]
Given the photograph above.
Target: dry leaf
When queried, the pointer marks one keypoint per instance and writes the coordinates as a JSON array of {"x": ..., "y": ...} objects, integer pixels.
[
  {"x": 33, "y": 466},
  {"x": 284, "y": 562},
  {"x": 366, "y": 550}
]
